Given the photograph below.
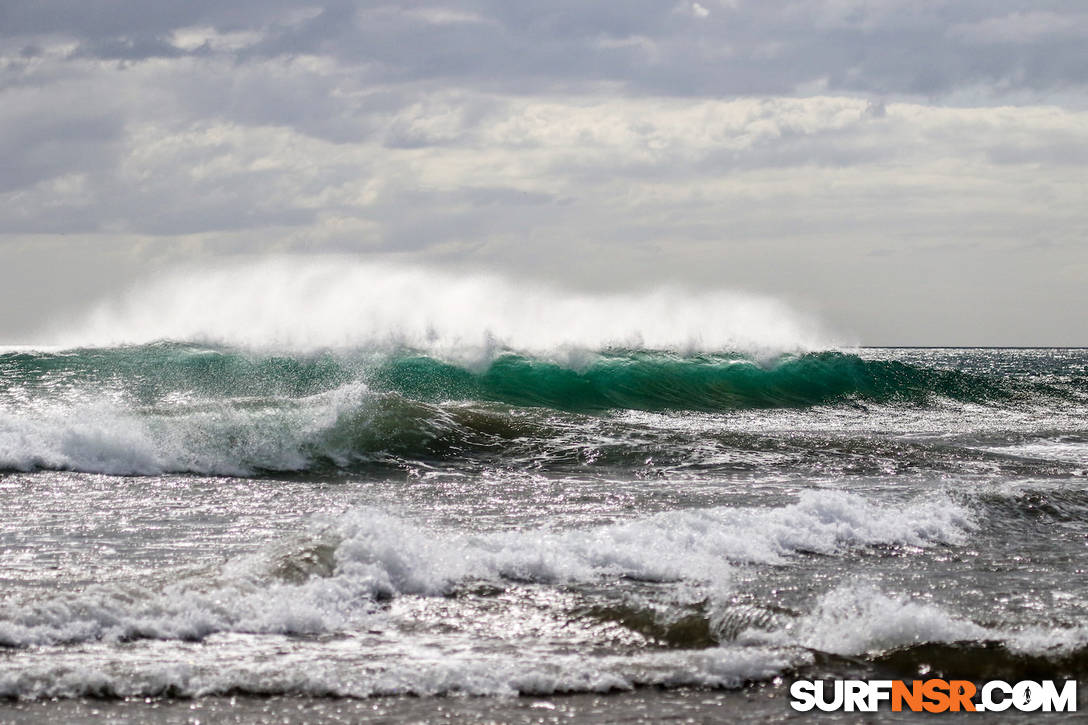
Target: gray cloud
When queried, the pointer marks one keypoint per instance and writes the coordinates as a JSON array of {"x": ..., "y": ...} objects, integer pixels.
[
  {"x": 737, "y": 47},
  {"x": 829, "y": 151}
]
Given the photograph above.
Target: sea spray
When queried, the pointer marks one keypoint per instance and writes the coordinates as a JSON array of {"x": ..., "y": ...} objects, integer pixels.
[{"x": 304, "y": 304}]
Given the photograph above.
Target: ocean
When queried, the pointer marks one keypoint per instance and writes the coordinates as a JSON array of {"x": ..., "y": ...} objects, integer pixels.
[{"x": 237, "y": 533}]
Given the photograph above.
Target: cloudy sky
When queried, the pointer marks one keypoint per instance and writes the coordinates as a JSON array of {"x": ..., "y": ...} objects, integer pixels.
[{"x": 909, "y": 171}]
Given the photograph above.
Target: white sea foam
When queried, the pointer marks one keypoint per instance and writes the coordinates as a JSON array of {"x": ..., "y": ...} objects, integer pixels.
[
  {"x": 467, "y": 673},
  {"x": 850, "y": 620},
  {"x": 306, "y": 303},
  {"x": 353, "y": 560},
  {"x": 226, "y": 437},
  {"x": 333, "y": 581},
  {"x": 859, "y": 619},
  {"x": 280, "y": 666},
  {"x": 1075, "y": 451}
]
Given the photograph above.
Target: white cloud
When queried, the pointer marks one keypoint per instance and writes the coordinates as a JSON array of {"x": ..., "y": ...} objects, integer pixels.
[
  {"x": 446, "y": 16},
  {"x": 743, "y": 149},
  {"x": 206, "y": 37}
]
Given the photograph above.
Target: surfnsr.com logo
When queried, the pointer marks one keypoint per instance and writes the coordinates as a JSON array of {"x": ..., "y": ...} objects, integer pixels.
[{"x": 933, "y": 696}]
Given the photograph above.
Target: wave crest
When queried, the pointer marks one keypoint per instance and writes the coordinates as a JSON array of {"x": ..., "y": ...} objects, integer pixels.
[
  {"x": 304, "y": 304},
  {"x": 178, "y": 408}
]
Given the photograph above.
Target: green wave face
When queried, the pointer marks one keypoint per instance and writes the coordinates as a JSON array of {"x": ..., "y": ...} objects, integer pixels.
[
  {"x": 638, "y": 380},
  {"x": 658, "y": 381},
  {"x": 149, "y": 372},
  {"x": 175, "y": 407}
]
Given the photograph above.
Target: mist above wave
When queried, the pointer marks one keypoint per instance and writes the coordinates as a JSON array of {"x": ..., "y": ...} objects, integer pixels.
[{"x": 307, "y": 303}]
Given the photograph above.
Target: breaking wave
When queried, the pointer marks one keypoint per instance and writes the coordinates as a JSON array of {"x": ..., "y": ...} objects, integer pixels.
[
  {"x": 171, "y": 407},
  {"x": 335, "y": 578},
  {"x": 662, "y": 381},
  {"x": 339, "y": 578}
]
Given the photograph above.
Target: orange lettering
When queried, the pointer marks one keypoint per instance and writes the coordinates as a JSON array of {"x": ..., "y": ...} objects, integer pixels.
[
  {"x": 912, "y": 696},
  {"x": 960, "y": 694},
  {"x": 936, "y": 692}
]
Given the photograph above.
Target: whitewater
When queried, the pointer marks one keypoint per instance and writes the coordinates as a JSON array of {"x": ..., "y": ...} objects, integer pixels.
[{"x": 326, "y": 491}]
